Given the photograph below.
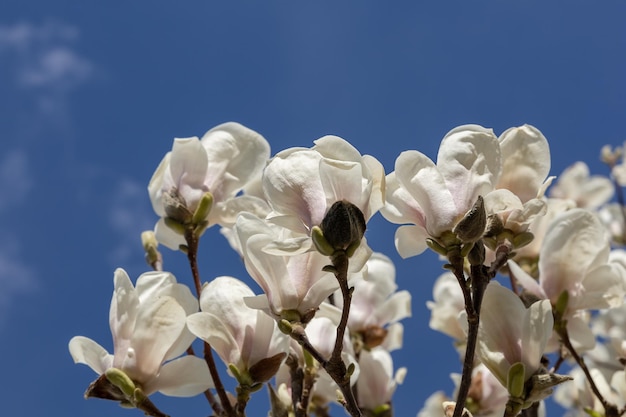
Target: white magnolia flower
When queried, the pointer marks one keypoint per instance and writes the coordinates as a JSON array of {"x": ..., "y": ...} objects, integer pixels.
[
  {"x": 148, "y": 327},
  {"x": 377, "y": 381},
  {"x": 292, "y": 283},
  {"x": 301, "y": 184},
  {"x": 447, "y": 305},
  {"x": 509, "y": 333},
  {"x": 246, "y": 338},
  {"x": 434, "y": 197},
  {"x": 222, "y": 163},
  {"x": 376, "y": 306},
  {"x": 587, "y": 191},
  {"x": 574, "y": 257}
]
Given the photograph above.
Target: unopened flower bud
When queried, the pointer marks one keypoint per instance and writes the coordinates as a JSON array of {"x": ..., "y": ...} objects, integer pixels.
[
  {"x": 266, "y": 368},
  {"x": 472, "y": 225},
  {"x": 176, "y": 207},
  {"x": 343, "y": 226}
]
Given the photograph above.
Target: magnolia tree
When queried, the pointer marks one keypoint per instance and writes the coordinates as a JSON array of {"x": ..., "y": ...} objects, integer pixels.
[{"x": 320, "y": 327}]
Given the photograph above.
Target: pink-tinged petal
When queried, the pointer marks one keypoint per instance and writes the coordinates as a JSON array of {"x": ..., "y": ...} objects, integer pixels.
[
  {"x": 525, "y": 161},
  {"x": 236, "y": 155},
  {"x": 188, "y": 167},
  {"x": 570, "y": 247},
  {"x": 123, "y": 312},
  {"x": 90, "y": 353},
  {"x": 411, "y": 240},
  {"x": 213, "y": 330},
  {"x": 183, "y": 377},
  {"x": 168, "y": 237},
  {"x": 529, "y": 283},
  {"x": 469, "y": 160},
  {"x": 416, "y": 173},
  {"x": 159, "y": 324},
  {"x": 292, "y": 185},
  {"x": 267, "y": 340},
  {"x": 536, "y": 330}
]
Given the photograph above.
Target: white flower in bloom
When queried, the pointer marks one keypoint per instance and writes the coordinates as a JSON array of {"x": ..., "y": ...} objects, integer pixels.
[
  {"x": 447, "y": 305},
  {"x": 587, "y": 191},
  {"x": 574, "y": 257},
  {"x": 148, "y": 327},
  {"x": 377, "y": 381},
  {"x": 612, "y": 216},
  {"x": 301, "y": 184},
  {"x": 376, "y": 304},
  {"x": 577, "y": 395},
  {"x": 509, "y": 333},
  {"x": 223, "y": 162},
  {"x": 246, "y": 338},
  {"x": 433, "y": 198},
  {"x": 291, "y": 283}
]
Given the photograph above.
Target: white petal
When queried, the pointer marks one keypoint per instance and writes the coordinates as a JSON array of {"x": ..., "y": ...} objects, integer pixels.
[
  {"x": 469, "y": 160},
  {"x": 411, "y": 240},
  {"x": 159, "y": 324},
  {"x": 536, "y": 330},
  {"x": 123, "y": 312},
  {"x": 213, "y": 330},
  {"x": 525, "y": 161},
  {"x": 90, "y": 353},
  {"x": 183, "y": 377},
  {"x": 168, "y": 237},
  {"x": 236, "y": 155}
]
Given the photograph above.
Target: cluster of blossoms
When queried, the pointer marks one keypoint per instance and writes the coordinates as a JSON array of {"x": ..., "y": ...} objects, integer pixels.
[{"x": 328, "y": 310}]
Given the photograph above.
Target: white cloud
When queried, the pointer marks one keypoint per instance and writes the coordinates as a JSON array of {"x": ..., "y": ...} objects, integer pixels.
[{"x": 44, "y": 63}]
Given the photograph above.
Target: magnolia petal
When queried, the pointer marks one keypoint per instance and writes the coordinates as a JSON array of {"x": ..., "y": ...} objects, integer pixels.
[
  {"x": 168, "y": 237},
  {"x": 571, "y": 244},
  {"x": 469, "y": 160},
  {"x": 90, "y": 353},
  {"x": 536, "y": 330},
  {"x": 394, "y": 338},
  {"x": 400, "y": 207},
  {"x": 236, "y": 155},
  {"x": 500, "y": 330},
  {"x": 423, "y": 180},
  {"x": 225, "y": 214},
  {"x": 214, "y": 331},
  {"x": 156, "y": 184},
  {"x": 603, "y": 288},
  {"x": 334, "y": 147},
  {"x": 377, "y": 194},
  {"x": 580, "y": 334},
  {"x": 522, "y": 278},
  {"x": 188, "y": 167},
  {"x": 376, "y": 384},
  {"x": 123, "y": 311},
  {"x": 525, "y": 161},
  {"x": 395, "y": 308},
  {"x": 292, "y": 185},
  {"x": 159, "y": 324},
  {"x": 183, "y": 377},
  {"x": 411, "y": 240}
]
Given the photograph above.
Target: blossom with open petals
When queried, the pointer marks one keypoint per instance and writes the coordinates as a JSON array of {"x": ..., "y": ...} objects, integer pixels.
[
  {"x": 216, "y": 167},
  {"x": 149, "y": 332},
  {"x": 244, "y": 338},
  {"x": 510, "y": 333},
  {"x": 377, "y": 381},
  {"x": 302, "y": 184},
  {"x": 574, "y": 258},
  {"x": 588, "y": 191},
  {"x": 433, "y": 198}
]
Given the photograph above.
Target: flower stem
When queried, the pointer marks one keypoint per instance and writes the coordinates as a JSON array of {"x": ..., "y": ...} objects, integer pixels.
[
  {"x": 192, "y": 251},
  {"x": 610, "y": 410}
]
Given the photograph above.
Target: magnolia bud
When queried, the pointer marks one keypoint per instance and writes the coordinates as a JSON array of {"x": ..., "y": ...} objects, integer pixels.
[
  {"x": 343, "y": 226},
  {"x": 472, "y": 225}
]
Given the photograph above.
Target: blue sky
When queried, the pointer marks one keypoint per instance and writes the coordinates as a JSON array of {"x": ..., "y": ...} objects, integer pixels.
[{"x": 92, "y": 94}]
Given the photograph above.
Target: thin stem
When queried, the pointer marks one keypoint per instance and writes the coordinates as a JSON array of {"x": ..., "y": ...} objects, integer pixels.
[
  {"x": 192, "y": 251},
  {"x": 610, "y": 410}
]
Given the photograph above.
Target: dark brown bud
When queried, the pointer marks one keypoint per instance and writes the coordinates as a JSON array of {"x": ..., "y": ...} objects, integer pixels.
[
  {"x": 343, "y": 226},
  {"x": 266, "y": 368}
]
